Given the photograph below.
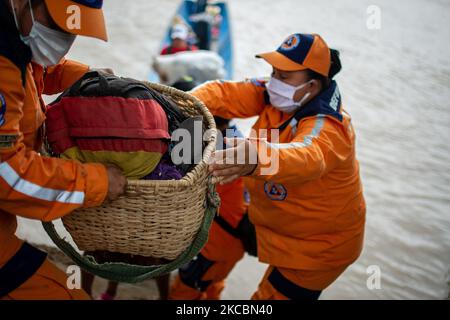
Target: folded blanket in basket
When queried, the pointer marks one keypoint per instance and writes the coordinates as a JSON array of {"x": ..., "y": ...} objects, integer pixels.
[{"x": 109, "y": 120}]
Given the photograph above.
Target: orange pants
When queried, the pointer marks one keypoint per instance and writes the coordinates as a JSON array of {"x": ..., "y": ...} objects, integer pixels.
[
  {"x": 204, "y": 277},
  {"x": 48, "y": 283}
]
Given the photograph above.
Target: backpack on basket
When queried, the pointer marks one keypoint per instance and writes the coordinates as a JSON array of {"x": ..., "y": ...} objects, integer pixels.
[{"x": 109, "y": 119}]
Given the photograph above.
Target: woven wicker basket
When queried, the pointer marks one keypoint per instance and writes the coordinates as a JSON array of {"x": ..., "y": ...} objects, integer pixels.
[{"x": 156, "y": 219}]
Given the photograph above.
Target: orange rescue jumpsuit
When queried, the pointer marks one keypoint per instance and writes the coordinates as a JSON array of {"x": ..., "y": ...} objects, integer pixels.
[
  {"x": 309, "y": 214},
  {"x": 34, "y": 186},
  {"x": 203, "y": 278}
]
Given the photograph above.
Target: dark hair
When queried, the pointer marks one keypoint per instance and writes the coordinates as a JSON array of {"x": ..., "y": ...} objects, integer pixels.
[{"x": 335, "y": 67}]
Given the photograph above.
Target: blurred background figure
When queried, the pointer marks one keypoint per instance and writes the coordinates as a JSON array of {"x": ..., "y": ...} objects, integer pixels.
[{"x": 179, "y": 36}]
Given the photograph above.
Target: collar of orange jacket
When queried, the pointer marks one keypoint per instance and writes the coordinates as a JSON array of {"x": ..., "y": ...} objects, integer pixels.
[{"x": 328, "y": 102}]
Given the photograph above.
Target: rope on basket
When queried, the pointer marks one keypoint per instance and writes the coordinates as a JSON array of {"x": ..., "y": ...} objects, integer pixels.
[{"x": 123, "y": 272}]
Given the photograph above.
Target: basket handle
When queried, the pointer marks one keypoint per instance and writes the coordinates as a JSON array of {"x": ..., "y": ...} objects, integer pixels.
[
  {"x": 216, "y": 180},
  {"x": 123, "y": 272}
]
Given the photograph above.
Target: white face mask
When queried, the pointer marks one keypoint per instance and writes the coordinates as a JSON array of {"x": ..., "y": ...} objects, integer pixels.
[
  {"x": 282, "y": 95},
  {"x": 48, "y": 46}
]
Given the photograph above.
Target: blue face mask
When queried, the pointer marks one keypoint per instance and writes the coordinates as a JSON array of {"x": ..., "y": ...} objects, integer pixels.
[{"x": 48, "y": 46}]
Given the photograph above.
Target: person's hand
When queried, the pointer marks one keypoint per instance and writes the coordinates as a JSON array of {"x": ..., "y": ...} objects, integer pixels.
[
  {"x": 105, "y": 71},
  {"x": 238, "y": 160},
  {"x": 117, "y": 182}
]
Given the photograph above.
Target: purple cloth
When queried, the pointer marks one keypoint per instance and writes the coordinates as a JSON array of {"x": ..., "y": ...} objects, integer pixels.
[{"x": 164, "y": 171}]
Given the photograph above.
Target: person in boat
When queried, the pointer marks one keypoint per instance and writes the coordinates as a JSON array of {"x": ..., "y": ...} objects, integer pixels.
[
  {"x": 179, "y": 36},
  {"x": 303, "y": 177},
  {"x": 34, "y": 38}
]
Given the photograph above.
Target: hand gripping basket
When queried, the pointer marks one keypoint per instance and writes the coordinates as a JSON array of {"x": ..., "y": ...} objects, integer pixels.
[{"x": 159, "y": 219}]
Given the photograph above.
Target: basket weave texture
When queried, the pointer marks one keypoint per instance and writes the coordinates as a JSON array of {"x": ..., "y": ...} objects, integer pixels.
[{"x": 158, "y": 219}]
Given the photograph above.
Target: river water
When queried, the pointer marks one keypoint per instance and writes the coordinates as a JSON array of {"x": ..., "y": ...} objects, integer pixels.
[{"x": 395, "y": 84}]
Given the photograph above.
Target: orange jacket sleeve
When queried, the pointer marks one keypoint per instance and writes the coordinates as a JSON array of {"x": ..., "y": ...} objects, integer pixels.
[
  {"x": 61, "y": 76},
  {"x": 231, "y": 99},
  {"x": 31, "y": 185},
  {"x": 319, "y": 145}
]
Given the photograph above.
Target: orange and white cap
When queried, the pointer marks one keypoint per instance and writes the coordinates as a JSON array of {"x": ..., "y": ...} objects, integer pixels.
[{"x": 79, "y": 17}]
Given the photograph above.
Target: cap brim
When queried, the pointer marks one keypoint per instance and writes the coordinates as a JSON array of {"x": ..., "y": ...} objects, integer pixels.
[
  {"x": 279, "y": 61},
  {"x": 92, "y": 21}
]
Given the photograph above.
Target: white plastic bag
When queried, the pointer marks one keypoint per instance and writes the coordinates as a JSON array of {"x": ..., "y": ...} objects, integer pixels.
[{"x": 201, "y": 65}]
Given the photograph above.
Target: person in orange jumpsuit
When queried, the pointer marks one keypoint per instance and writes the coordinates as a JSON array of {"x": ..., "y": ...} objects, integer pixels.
[
  {"x": 204, "y": 277},
  {"x": 35, "y": 35},
  {"x": 300, "y": 167}
]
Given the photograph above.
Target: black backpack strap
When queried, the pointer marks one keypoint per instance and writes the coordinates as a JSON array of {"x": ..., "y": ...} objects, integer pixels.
[
  {"x": 88, "y": 78},
  {"x": 111, "y": 85},
  {"x": 171, "y": 109}
]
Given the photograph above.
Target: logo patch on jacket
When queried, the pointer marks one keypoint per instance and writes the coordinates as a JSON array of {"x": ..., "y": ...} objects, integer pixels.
[
  {"x": 275, "y": 191},
  {"x": 2, "y": 109}
]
